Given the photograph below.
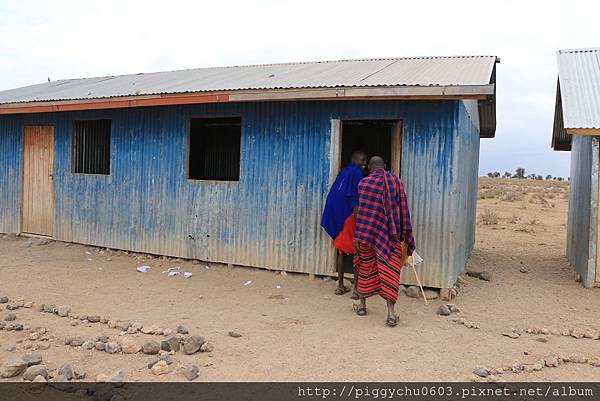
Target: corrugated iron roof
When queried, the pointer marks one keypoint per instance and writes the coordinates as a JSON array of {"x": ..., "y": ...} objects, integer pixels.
[
  {"x": 577, "y": 94},
  {"x": 415, "y": 71}
]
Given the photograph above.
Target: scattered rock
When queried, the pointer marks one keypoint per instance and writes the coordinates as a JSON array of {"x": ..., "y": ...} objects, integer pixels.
[
  {"x": 79, "y": 374},
  {"x": 431, "y": 294},
  {"x": 160, "y": 368},
  {"x": 443, "y": 310},
  {"x": 117, "y": 377},
  {"x": 50, "y": 308},
  {"x": 102, "y": 339},
  {"x": 129, "y": 346},
  {"x": 481, "y": 372},
  {"x": 17, "y": 326},
  {"x": 234, "y": 334},
  {"x": 112, "y": 324},
  {"x": 13, "y": 367},
  {"x": 73, "y": 341},
  {"x": 453, "y": 308},
  {"x": 93, "y": 319},
  {"x": 39, "y": 379},
  {"x": 577, "y": 333},
  {"x": 112, "y": 347},
  {"x": 168, "y": 358},
  {"x": 63, "y": 311},
  {"x": 182, "y": 330},
  {"x": 137, "y": 326},
  {"x": 523, "y": 269},
  {"x": 38, "y": 307},
  {"x": 104, "y": 320},
  {"x": 192, "y": 344},
  {"x": 99, "y": 345},
  {"x": 28, "y": 305},
  {"x": 551, "y": 361},
  {"x": 87, "y": 345},
  {"x": 11, "y": 348},
  {"x": 131, "y": 330},
  {"x": 541, "y": 340},
  {"x": 34, "y": 337},
  {"x": 124, "y": 326},
  {"x": 12, "y": 306},
  {"x": 170, "y": 343},
  {"x": 511, "y": 334},
  {"x": 34, "y": 371},
  {"x": 207, "y": 347},
  {"x": 191, "y": 372},
  {"x": 32, "y": 359},
  {"x": 167, "y": 332},
  {"x": 485, "y": 276},
  {"x": 3, "y": 300},
  {"x": 413, "y": 291},
  {"x": 74, "y": 323},
  {"x": 66, "y": 371},
  {"x": 10, "y": 317},
  {"x": 151, "y": 348}
]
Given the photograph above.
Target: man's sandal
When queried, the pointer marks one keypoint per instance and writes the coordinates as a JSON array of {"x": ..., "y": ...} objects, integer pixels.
[
  {"x": 392, "y": 321},
  {"x": 360, "y": 310},
  {"x": 341, "y": 290}
]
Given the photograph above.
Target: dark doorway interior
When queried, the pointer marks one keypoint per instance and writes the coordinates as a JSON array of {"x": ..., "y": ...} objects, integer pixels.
[
  {"x": 371, "y": 136},
  {"x": 374, "y": 137}
]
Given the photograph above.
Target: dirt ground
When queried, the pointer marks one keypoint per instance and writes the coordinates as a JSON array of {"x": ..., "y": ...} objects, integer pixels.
[{"x": 294, "y": 328}]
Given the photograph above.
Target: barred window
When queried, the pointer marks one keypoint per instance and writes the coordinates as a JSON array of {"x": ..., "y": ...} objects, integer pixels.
[
  {"x": 91, "y": 147},
  {"x": 214, "y": 149}
]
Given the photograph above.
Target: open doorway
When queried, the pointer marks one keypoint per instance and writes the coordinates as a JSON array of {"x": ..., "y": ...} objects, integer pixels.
[{"x": 374, "y": 137}]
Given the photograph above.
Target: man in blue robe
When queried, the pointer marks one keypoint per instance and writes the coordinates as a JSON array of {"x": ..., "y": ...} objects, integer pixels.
[{"x": 339, "y": 215}]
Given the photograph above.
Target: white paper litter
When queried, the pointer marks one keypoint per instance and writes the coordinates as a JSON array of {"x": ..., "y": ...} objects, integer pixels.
[
  {"x": 278, "y": 286},
  {"x": 416, "y": 256},
  {"x": 247, "y": 283},
  {"x": 88, "y": 253},
  {"x": 144, "y": 269},
  {"x": 89, "y": 259},
  {"x": 171, "y": 270},
  {"x": 187, "y": 274}
]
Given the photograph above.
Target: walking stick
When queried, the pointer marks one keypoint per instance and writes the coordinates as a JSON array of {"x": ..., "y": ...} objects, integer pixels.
[{"x": 418, "y": 281}]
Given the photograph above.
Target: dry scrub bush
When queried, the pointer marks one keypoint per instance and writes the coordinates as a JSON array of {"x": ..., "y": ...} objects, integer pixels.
[{"x": 489, "y": 217}]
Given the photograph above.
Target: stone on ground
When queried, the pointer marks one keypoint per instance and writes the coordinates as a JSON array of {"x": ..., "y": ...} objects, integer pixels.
[
  {"x": 481, "y": 372},
  {"x": 87, "y": 345},
  {"x": 413, "y": 291},
  {"x": 170, "y": 343},
  {"x": 129, "y": 346},
  {"x": 148, "y": 329},
  {"x": 234, "y": 334},
  {"x": 39, "y": 379},
  {"x": 10, "y": 317},
  {"x": 49, "y": 308},
  {"x": 100, "y": 345},
  {"x": 112, "y": 347},
  {"x": 192, "y": 344},
  {"x": 160, "y": 368},
  {"x": 13, "y": 367},
  {"x": 207, "y": 347},
  {"x": 117, "y": 377},
  {"x": 191, "y": 372},
  {"x": 32, "y": 359},
  {"x": 63, "y": 311},
  {"x": 3, "y": 300},
  {"x": 93, "y": 319},
  {"x": 12, "y": 306},
  {"x": 182, "y": 330},
  {"x": 34, "y": 371},
  {"x": 151, "y": 348},
  {"x": 66, "y": 371},
  {"x": 443, "y": 310}
]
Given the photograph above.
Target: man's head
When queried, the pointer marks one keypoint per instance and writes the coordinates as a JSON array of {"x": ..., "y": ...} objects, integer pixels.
[
  {"x": 359, "y": 158},
  {"x": 376, "y": 162}
]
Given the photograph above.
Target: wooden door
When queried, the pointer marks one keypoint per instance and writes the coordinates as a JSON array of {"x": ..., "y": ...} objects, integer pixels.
[{"x": 38, "y": 192}]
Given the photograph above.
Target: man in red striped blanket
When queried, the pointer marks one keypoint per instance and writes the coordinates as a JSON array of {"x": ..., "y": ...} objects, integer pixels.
[{"x": 383, "y": 237}]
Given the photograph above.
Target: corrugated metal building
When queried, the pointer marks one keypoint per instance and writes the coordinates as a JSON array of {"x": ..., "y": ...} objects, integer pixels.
[
  {"x": 577, "y": 128},
  {"x": 118, "y": 161}
]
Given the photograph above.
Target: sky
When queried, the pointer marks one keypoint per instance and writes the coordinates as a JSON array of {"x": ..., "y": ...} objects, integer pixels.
[{"x": 75, "y": 39}]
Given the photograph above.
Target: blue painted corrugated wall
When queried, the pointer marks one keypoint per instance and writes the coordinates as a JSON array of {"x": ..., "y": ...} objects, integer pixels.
[{"x": 270, "y": 218}]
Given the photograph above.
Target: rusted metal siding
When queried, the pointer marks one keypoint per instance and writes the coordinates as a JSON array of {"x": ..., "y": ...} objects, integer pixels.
[
  {"x": 270, "y": 218},
  {"x": 583, "y": 203}
]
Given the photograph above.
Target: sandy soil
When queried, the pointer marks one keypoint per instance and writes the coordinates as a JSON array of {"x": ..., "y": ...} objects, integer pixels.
[{"x": 294, "y": 328}]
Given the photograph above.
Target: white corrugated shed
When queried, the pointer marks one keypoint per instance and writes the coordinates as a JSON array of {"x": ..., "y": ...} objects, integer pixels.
[{"x": 415, "y": 71}]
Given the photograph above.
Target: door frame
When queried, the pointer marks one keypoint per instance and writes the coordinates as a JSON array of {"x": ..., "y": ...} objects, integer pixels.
[
  {"x": 335, "y": 152},
  {"x": 22, "y": 181}
]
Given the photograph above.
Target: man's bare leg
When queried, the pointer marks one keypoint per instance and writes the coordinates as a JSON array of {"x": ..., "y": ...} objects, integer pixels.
[
  {"x": 361, "y": 307},
  {"x": 355, "y": 287},
  {"x": 392, "y": 318},
  {"x": 341, "y": 289}
]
